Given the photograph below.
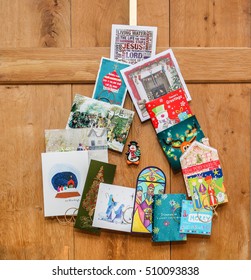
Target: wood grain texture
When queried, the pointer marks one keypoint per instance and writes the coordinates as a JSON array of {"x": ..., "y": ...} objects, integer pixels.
[
  {"x": 210, "y": 23},
  {"x": 58, "y": 65}
]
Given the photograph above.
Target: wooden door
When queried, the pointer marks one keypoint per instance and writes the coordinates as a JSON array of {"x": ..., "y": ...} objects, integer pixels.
[{"x": 50, "y": 50}]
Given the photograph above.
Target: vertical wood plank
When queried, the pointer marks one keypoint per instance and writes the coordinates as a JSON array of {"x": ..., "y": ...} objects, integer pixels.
[{"x": 210, "y": 23}]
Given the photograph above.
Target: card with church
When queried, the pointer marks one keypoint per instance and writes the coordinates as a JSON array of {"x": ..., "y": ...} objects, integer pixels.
[
  {"x": 198, "y": 157},
  {"x": 131, "y": 44},
  {"x": 177, "y": 138},
  {"x": 94, "y": 140},
  {"x": 114, "y": 207},
  {"x": 166, "y": 218},
  {"x": 168, "y": 110},
  {"x": 152, "y": 78},
  {"x": 98, "y": 172},
  {"x": 110, "y": 86},
  {"x": 88, "y": 112},
  {"x": 64, "y": 175},
  {"x": 194, "y": 221}
]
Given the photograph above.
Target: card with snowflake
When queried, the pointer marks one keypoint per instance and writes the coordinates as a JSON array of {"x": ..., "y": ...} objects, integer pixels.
[
  {"x": 207, "y": 189},
  {"x": 195, "y": 221},
  {"x": 168, "y": 110},
  {"x": 152, "y": 78},
  {"x": 166, "y": 218}
]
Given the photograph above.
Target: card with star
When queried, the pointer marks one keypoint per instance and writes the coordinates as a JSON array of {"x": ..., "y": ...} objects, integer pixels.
[
  {"x": 166, "y": 218},
  {"x": 168, "y": 110}
]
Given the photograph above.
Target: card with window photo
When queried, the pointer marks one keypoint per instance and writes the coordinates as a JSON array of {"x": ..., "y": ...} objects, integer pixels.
[{"x": 152, "y": 78}]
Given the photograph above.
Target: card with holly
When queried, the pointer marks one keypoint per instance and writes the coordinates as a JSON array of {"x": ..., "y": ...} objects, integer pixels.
[{"x": 168, "y": 110}]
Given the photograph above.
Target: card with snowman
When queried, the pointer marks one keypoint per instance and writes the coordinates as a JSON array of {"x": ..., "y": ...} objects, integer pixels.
[{"x": 168, "y": 110}]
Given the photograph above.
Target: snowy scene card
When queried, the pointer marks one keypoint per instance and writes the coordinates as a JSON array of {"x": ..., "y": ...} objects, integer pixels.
[
  {"x": 88, "y": 112},
  {"x": 153, "y": 78},
  {"x": 177, "y": 138},
  {"x": 64, "y": 175},
  {"x": 131, "y": 44},
  {"x": 168, "y": 110},
  {"x": 93, "y": 140},
  {"x": 166, "y": 218},
  {"x": 99, "y": 172},
  {"x": 193, "y": 221},
  {"x": 114, "y": 207},
  {"x": 110, "y": 86}
]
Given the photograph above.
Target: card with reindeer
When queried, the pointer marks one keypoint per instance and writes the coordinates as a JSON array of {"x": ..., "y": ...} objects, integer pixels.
[
  {"x": 168, "y": 110},
  {"x": 114, "y": 207},
  {"x": 176, "y": 139}
]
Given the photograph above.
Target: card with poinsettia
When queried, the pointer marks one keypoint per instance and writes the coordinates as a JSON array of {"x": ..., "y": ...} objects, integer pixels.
[
  {"x": 110, "y": 86},
  {"x": 168, "y": 110},
  {"x": 98, "y": 172}
]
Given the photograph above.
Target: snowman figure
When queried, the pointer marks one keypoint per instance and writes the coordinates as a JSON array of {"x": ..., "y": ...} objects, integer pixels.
[
  {"x": 133, "y": 153},
  {"x": 162, "y": 116}
]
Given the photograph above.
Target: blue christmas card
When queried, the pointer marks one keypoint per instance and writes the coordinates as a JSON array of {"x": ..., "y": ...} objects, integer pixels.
[
  {"x": 195, "y": 221},
  {"x": 166, "y": 217}
]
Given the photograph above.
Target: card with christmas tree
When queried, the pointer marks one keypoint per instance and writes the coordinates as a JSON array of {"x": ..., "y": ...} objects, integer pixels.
[
  {"x": 166, "y": 217},
  {"x": 110, "y": 86},
  {"x": 88, "y": 112},
  {"x": 168, "y": 110},
  {"x": 114, "y": 207},
  {"x": 195, "y": 221},
  {"x": 207, "y": 188},
  {"x": 152, "y": 78},
  {"x": 131, "y": 44},
  {"x": 198, "y": 157},
  {"x": 98, "y": 172},
  {"x": 177, "y": 138}
]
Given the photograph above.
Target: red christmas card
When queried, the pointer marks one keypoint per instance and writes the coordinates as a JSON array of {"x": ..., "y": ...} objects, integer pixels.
[{"x": 168, "y": 110}]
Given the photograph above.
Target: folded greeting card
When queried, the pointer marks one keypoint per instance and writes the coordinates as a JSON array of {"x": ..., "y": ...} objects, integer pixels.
[
  {"x": 110, "y": 86},
  {"x": 168, "y": 110},
  {"x": 193, "y": 221},
  {"x": 131, "y": 44},
  {"x": 94, "y": 140},
  {"x": 88, "y": 112},
  {"x": 207, "y": 188},
  {"x": 198, "y": 157},
  {"x": 166, "y": 218},
  {"x": 176, "y": 139},
  {"x": 64, "y": 176},
  {"x": 98, "y": 172},
  {"x": 114, "y": 207},
  {"x": 151, "y": 180},
  {"x": 153, "y": 78}
]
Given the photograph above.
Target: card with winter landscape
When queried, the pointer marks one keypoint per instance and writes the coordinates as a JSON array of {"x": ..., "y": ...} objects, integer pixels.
[
  {"x": 110, "y": 86},
  {"x": 131, "y": 44},
  {"x": 152, "y": 78},
  {"x": 114, "y": 207},
  {"x": 88, "y": 112},
  {"x": 64, "y": 175},
  {"x": 99, "y": 172},
  {"x": 94, "y": 140}
]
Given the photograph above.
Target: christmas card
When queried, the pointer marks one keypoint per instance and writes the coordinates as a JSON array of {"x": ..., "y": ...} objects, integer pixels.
[
  {"x": 177, "y": 138},
  {"x": 195, "y": 221},
  {"x": 151, "y": 180},
  {"x": 166, "y": 217},
  {"x": 88, "y": 112},
  {"x": 64, "y": 176},
  {"x": 93, "y": 140},
  {"x": 114, "y": 207},
  {"x": 198, "y": 157},
  {"x": 110, "y": 86},
  {"x": 168, "y": 110},
  {"x": 152, "y": 78},
  {"x": 131, "y": 44},
  {"x": 207, "y": 188},
  {"x": 99, "y": 172}
]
